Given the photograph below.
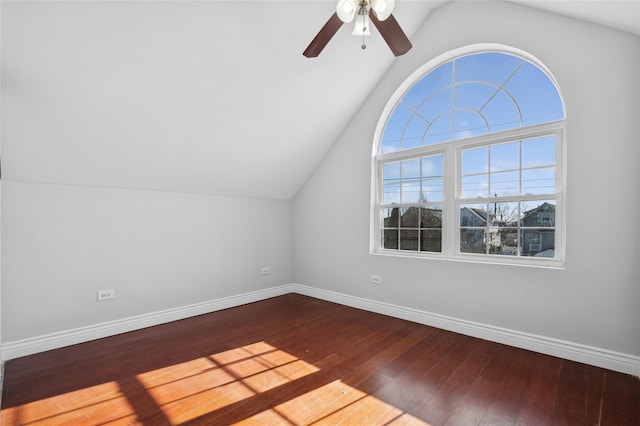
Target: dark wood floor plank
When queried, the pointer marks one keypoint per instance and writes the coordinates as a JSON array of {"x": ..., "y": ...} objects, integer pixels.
[
  {"x": 510, "y": 396},
  {"x": 540, "y": 397},
  {"x": 458, "y": 383},
  {"x": 594, "y": 388},
  {"x": 509, "y": 400},
  {"x": 357, "y": 361},
  {"x": 481, "y": 393},
  {"x": 427, "y": 388},
  {"x": 299, "y": 360},
  {"x": 621, "y": 400},
  {"x": 403, "y": 391},
  {"x": 569, "y": 408}
]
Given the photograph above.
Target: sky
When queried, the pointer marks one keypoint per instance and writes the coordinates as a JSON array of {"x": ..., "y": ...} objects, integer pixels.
[{"x": 469, "y": 96}]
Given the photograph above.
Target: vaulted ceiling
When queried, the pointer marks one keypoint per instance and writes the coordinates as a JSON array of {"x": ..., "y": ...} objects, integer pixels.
[{"x": 210, "y": 97}]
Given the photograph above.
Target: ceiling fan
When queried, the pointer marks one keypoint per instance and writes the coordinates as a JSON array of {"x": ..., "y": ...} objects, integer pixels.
[{"x": 376, "y": 11}]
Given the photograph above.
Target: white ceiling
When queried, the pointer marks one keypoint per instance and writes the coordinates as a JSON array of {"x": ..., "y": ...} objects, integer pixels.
[{"x": 209, "y": 97}]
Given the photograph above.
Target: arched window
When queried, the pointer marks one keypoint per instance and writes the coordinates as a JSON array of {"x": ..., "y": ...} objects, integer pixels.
[{"x": 469, "y": 162}]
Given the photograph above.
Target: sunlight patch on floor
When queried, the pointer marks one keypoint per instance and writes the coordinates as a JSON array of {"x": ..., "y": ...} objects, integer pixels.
[
  {"x": 334, "y": 403},
  {"x": 94, "y": 405},
  {"x": 185, "y": 391},
  {"x": 193, "y": 389}
]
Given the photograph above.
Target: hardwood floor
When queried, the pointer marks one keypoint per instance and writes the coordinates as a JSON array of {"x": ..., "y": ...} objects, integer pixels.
[{"x": 296, "y": 360}]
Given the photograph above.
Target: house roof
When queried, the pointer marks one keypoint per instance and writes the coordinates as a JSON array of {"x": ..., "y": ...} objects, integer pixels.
[{"x": 210, "y": 97}]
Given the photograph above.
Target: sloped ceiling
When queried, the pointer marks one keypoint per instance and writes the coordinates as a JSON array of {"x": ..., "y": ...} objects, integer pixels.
[{"x": 210, "y": 97}]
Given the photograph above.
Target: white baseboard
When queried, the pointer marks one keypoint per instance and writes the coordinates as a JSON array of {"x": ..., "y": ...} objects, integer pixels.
[
  {"x": 616, "y": 361},
  {"x": 84, "y": 334},
  {"x": 604, "y": 358}
]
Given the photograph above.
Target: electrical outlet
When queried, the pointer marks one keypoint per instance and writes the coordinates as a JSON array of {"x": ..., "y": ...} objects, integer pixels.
[
  {"x": 375, "y": 279},
  {"x": 106, "y": 294},
  {"x": 265, "y": 270}
]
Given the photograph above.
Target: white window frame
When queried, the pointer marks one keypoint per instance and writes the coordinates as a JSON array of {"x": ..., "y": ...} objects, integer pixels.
[{"x": 451, "y": 152}]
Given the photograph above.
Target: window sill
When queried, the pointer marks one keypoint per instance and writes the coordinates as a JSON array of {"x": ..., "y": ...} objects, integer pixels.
[{"x": 493, "y": 260}]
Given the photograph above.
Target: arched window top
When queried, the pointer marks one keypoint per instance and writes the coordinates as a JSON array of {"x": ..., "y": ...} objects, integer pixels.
[{"x": 472, "y": 95}]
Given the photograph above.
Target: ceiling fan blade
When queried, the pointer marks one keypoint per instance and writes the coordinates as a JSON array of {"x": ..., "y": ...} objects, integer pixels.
[
  {"x": 392, "y": 34},
  {"x": 324, "y": 35}
]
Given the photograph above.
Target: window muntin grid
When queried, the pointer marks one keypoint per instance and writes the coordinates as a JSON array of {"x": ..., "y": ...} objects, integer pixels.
[
  {"x": 455, "y": 110},
  {"x": 411, "y": 210},
  {"x": 469, "y": 96}
]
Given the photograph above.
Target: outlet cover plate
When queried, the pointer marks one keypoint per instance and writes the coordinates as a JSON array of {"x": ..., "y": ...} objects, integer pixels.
[{"x": 106, "y": 294}]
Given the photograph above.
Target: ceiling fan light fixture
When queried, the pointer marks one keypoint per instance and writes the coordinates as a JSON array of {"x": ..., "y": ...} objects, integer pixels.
[
  {"x": 365, "y": 12},
  {"x": 346, "y": 10},
  {"x": 361, "y": 28},
  {"x": 382, "y": 8}
]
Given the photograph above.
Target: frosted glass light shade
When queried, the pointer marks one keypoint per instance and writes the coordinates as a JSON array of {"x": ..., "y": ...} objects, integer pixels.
[
  {"x": 362, "y": 26},
  {"x": 346, "y": 10},
  {"x": 382, "y": 8}
]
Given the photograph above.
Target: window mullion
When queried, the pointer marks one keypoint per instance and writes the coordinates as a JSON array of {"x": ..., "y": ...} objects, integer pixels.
[
  {"x": 451, "y": 191},
  {"x": 506, "y": 187}
]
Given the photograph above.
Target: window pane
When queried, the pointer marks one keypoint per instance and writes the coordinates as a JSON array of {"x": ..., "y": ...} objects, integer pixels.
[
  {"x": 475, "y": 186},
  {"x": 394, "y": 128},
  {"x": 432, "y": 166},
  {"x": 391, "y": 217},
  {"x": 506, "y": 242},
  {"x": 536, "y": 95},
  {"x": 539, "y": 152},
  {"x": 391, "y": 172},
  {"x": 411, "y": 169},
  {"x": 390, "y": 239},
  {"x": 429, "y": 84},
  {"x": 409, "y": 217},
  {"x": 504, "y": 214},
  {"x": 437, "y": 104},
  {"x": 543, "y": 214},
  {"x": 431, "y": 240},
  {"x": 492, "y": 67},
  {"x": 439, "y": 131},
  {"x": 505, "y": 184},
  {"x": 391, "y": 180},
  {"x": 505, "y": 156},
  {"x": 492, "y": 241},
  {"x": 502, "y": 113},
  {"x": 473, "y": 95},
  {"x": 472, "y": 241},
  {"x": 538, "y": 242},
  {"x": 473, "y": 215},
  {"x": 475, "y": 161},
  {"x": 468, "y": 123},
  {"x": 409, "y": 240},
  {"x": 413, "y": 133},
  {"x": 411, "y": 181},
  {"x": 432, "y": 183},
  {"x": 411, "y": 191},
  {"x": 391, "y": 194},
  {"x": 432, "y": 190},
  {"x": 431, "y": 217},
  {"x": 539, "y": 181}
]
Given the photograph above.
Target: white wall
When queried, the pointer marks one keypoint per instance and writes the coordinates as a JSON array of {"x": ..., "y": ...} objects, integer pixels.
[
  {"x": 594, "y": 300},
  {"x": 158, "y": 250},
  {"x": 98, "y": 97}
]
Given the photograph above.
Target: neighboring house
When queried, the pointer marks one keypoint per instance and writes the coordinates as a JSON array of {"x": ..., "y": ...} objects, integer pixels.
[
  {"x": 478, "y": 232},
  {"x": 538, "y": 230},
  {"x": 473, "y": 217},
  {"x": 483, "y": 231},
  {"x": 421, "y": 229}
]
